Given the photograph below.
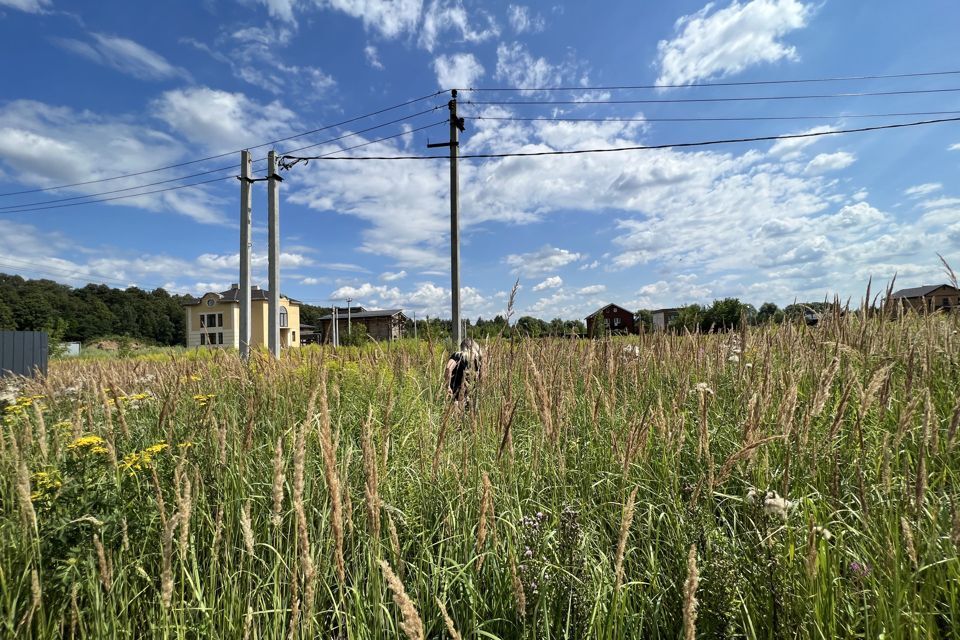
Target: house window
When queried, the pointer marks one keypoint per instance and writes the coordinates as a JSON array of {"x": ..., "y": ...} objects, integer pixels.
[
  {"x": 616, "y": 322},
  {"x": 211, "y": 320},
  {"x": 203, "y": 338},
  {"x": 220, "y": 338},
  {"x": 283, "y": 317},
  {"x": 219, "y": 319},
  {"x": 212, "y": 338}
]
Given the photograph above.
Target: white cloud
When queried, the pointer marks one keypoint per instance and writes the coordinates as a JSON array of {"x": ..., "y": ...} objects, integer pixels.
[
  {"x": 826, "y": 162},
  {"x": 280, "y": 9},
  {"x": 30, "y": 6},
  {"x": 954, "y": 147},
  {"x": 788, "y": 147},
  {"x": 125, "y": 56},
  {"x": 523, "y": 20},
  {"x": 373, "y": 57},
  {"x": 457, "y": 71},
  {"x": 389, "y": 18},
  {"x": 711, "y": 44},
  {"x": 592, "y": 289},
  {"x": 550, "y": 283},
  {"x": 517, "y": 67},
  {"x": 450, "y": 15},
  {"x": 43, "y": 146},
  {"x": 390, "y": 276},
  {"x": 921, "y": 190},
  {"x": 220, "y": 120},
  {"x": 542, "y": 261},
  {"x": 426, "y": 298}
]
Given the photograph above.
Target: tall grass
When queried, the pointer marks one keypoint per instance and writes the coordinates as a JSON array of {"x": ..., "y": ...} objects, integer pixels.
[{"x": 780, "y": 482}]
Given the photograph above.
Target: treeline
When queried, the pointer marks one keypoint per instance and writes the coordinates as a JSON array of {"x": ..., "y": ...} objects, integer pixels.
[
  {"x": 96, "y": 310},
  {"x": 731, "y": 313},
  {"x": 438, "y": 328}
]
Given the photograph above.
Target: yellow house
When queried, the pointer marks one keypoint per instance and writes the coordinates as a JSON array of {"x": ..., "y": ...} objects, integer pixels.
[{"x": 214, "y": 319}]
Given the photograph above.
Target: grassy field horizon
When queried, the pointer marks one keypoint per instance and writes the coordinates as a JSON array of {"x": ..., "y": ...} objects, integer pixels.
[{"x": 778, "y": 481}]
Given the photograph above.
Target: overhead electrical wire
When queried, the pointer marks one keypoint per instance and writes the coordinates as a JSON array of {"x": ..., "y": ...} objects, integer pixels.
[
  {"x": 28, "y": 266},
  {"x": 227, "y": 153},
  {"x": 675, "y": 145},
  {"x": 816, "y": 96},
  {"x": 839, "y": 116},
  {"x": 209, "y": 171},
  {"x": 26, "y": 208},
  {"x": 742, "y": 83}
]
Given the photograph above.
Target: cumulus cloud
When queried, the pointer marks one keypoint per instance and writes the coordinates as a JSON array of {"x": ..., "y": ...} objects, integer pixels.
[
  {"x": 592, "y": 289},
  {"x": 124, "y": 55},
  {"x": 517, "y": 67},
  {"x": 389, "y": 18},
  {"x": 426, "y": 298},
  {"x": 542, "y": 261},
  {"x": 550, "y": 283},
  {"x": 43, "y": 146},
  {"x": 523, "y": 20},
  {"x": 457, "y": 71},
  {"x": 713, "y": 44},
  {"x": 221, "y": 120},
  {"x": 450, "y": 15},
  {"x": 826, "y": 162}
]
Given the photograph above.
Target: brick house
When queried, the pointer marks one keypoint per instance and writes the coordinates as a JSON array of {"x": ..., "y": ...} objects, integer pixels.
[
  {"x": 613, "y": 319},
  {"x": 213, "y": 319}
]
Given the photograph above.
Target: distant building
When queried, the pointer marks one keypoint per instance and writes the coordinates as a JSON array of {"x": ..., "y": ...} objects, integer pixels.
[
  {"x": 663, "y": 317},
  {"x": 934, "y": 297},
  {"x": 384, "y": 324},
  {"x": 213, "y": 320},
  {"x": 611, "y": 319}
]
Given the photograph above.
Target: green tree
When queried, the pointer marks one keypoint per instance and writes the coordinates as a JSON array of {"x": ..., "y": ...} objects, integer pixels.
[
  {"x": 644, "y": 320},
  {"x": 6, "y": 317},
  {"x": 688, "y": 318},
  {"x": 769, "y": 312}
]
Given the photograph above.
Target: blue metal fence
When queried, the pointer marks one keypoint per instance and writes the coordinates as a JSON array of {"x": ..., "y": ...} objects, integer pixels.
[{"x": 23, "y": 353}]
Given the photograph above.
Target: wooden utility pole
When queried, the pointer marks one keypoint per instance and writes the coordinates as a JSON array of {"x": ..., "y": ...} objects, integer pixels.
[
  {"x": 246, "y": 187},
  {"x": 456, "y": 126},
  {"x": 273, "y": 253}
]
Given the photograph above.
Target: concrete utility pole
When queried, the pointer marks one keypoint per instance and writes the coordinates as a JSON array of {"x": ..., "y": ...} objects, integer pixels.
[
  {"x": 273, "y": 254},
  {"x": 349, "y": 328},
  {"x": 456, "y": 126},
  {"x": 246, "y": 187},
  {"x": 335, "y": 317}
]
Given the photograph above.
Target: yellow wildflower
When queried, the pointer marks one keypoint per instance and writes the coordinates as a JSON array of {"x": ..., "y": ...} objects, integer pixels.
[{"x": 89, "y": 443}]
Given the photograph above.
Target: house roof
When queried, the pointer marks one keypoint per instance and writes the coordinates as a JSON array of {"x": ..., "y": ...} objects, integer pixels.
[
  {"x": 666, "y": 310},
  {"x": 918, "y": 292},
  {"x": 607, "y": 306},
  {"x": 382, "y": 313},
  {"x": 233, "y": 295}
]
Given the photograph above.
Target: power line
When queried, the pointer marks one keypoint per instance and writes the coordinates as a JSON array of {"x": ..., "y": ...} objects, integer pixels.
[
  {"x": 720, "y": 119},
  {"x": 28, "y": 267},
  {"x": 132, "y": 195},
  {"x": 745, "y": 83},
  {"x": 227, "y": 153},
  {"x": 203, "y": 173},
  {"x": 858, "y": 94},
  {"x": 637, "y": 147},
  {"x": 28, "y": 208},
  {"x": 286, "y": 166}
]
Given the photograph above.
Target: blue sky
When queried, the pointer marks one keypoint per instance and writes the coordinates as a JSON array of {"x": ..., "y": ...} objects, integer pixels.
[{"x": 96, "y": 89}]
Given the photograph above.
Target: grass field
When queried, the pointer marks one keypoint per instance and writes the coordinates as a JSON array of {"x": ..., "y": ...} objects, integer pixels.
[{"x": 778, "y": 482}]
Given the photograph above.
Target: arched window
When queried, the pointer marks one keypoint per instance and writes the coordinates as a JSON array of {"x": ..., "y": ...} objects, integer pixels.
[{"x": 283, "y": 317}]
